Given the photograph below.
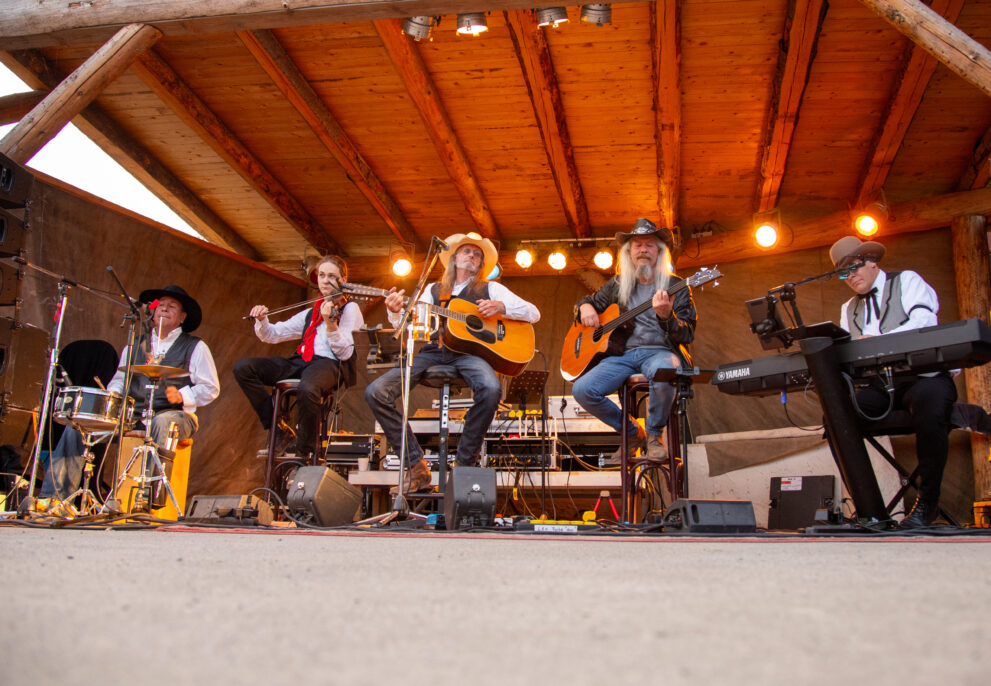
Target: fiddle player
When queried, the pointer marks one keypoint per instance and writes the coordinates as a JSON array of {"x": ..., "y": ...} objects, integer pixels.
[
  {"x": 643, "y": 273},
  {"x": 467, "y": 261},
  {"x": 889, "y": 302},
  {"x": 324, "y": 358},
  {"x": 175, "y": 315}
]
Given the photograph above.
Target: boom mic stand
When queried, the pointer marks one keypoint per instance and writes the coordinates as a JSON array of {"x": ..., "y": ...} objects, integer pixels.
[{"x": 400, "y": 508}]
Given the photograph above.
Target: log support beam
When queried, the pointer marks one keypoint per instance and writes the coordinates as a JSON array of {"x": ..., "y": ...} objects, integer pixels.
[{"x": 665, "y": 63}]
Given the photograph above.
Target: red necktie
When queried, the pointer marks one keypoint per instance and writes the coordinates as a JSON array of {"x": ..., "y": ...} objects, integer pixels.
[{"x": 309, "y": 337}]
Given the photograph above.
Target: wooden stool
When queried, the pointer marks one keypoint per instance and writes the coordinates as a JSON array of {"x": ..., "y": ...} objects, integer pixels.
[
  {"x": 283, "y": 395},
  {"x": 178, "y": 476}
]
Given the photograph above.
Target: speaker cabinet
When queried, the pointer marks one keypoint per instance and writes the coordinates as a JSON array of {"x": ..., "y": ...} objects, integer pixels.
[
  {"x": 11, "y": 234},
  {"x": 470, "y": 498},
  {"x": 23, "y": 365},
  {"x": 10, "y": 284},
  {"x": 710, "y": 517},
  {"x": 321, "y": 496},
  {"x": 15, "y": 183},
  {"x": 795, "y": 499}
]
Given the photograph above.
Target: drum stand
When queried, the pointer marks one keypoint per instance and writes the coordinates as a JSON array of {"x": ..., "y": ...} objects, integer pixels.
[
  {"x": 148, "y": 452},
  {"x": 88, "y": 502}
]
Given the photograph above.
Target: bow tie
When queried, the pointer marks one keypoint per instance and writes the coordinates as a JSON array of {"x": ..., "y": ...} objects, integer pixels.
[{"x": 872, "y": 294}]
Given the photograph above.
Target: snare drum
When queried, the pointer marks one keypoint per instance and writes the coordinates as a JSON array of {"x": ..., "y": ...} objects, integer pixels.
[{"x": 92, "y": 409}]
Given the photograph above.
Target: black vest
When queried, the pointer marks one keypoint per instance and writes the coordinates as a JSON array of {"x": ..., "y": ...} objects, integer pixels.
[
  {"x": 479, "y": 294},
  {"x": 177, "y": 356},
  {"x": 349, "y": 373}
]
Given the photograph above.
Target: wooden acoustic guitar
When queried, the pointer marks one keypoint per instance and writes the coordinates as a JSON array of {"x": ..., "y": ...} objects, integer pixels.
[
  {"x": 585, "y": 346},
  {"x": 506, "y": 344}
]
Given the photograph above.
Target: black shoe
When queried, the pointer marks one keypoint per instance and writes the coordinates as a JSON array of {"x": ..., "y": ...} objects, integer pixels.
[{"x": 923, "y": 514}]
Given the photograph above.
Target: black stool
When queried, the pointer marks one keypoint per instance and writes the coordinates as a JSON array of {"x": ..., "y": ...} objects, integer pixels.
[
  {"x": 283, "y": 395},
  {"x": 447, "y": 379}
]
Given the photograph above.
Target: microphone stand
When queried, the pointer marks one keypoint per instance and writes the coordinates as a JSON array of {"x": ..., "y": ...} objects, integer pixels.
[
  {"x": 65, "y": 285},
  {"x": 400, "y": 508}
]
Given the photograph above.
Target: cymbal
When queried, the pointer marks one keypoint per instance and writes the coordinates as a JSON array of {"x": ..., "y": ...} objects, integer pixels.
[{"x": 157, "y": 371}]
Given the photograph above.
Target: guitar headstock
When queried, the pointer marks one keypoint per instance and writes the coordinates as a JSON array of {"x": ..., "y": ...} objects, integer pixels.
[
  {"x": 704, "y": 276},
  {"x": 356, "y": 290}
]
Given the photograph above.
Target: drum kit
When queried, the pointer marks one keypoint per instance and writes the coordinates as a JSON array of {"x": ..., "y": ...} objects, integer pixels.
[{"x": 98, "y": 414}]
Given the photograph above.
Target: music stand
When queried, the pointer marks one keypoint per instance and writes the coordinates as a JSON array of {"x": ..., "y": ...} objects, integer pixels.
[{"x": 532, "y": 386}]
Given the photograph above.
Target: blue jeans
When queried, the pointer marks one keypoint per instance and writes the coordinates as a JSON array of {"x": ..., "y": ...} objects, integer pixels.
[
  {"x": 381, "y": 396},
  {"x": 592, "y": 389},
  {"x": 65, "y": 468}
]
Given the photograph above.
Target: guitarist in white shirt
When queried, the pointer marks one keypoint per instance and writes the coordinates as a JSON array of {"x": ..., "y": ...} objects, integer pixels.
[
  {"x": 642, "y": 272},
  {"x": 467, "y": 261}
]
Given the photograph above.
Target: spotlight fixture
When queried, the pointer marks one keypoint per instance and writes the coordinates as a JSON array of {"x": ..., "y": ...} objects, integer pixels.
[
  {"x": 524, "y": 258},
  {"x": 472, "y": 24},
  {"x": 767, "y": 226},
  {"x": 867, "y": 221},
  {"x": 401, "y": 263},
  {"x": 552, "y": 16},
  {"x": 603, "y": 259},
  {"x": 557, "y": 260},
  {"x": 597, "y": 14},
  {"x": 418, "y": 27}
]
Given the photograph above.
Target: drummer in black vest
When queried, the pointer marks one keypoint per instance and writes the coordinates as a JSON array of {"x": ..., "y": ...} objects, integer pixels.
[
  {"x": 889, "y": 302},
  {"x": 323, "y": 361},
  {"x": 467, "y": 262},
  {"x": 174, "y": 315}
]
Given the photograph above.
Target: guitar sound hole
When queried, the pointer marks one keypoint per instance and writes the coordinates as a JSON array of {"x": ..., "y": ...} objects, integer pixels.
[{"x": 474, "y": 322}]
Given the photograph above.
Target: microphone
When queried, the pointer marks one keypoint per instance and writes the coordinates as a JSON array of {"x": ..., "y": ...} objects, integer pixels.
[{"x": 439, "y": 243}]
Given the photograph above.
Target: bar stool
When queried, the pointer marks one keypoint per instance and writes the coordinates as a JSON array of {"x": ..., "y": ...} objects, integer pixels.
[
  {"x": 283, "y": 399},
  {"x": 629, "y": 469},
  {"x": 447, "y": 379}
]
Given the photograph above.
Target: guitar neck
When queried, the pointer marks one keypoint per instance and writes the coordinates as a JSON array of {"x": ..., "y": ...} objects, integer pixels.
[
  {"x": 435, "y": 309},
  {"x": 642, "y": 307}
]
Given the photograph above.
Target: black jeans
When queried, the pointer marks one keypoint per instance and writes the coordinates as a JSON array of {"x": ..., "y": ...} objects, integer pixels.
[
  {"x": 929, "y": 399},
  {"x": 317, "y": 378}
]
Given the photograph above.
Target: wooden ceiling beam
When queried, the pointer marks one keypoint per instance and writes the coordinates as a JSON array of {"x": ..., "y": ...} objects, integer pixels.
[
  {"x": 798, "y": 48},
  {"x": 534, "y": 57},
  {"x": 76, "y": 91},
  {"x": 978, "y": 171},
  {"x": 665, "y": 62},
  {"x": 959, "y": 52},
  {"x": 161, "y": 78},
  {"x": 13, "y": 107},
  {"x": 33, "y": 24},
  {"x": 915, "y": 215},
  {"x": 286, "y": 75},
  {"x": 32, "y": 67},
  {"x": 916, "y": 73},
  {"x": 422, "y": 91}
]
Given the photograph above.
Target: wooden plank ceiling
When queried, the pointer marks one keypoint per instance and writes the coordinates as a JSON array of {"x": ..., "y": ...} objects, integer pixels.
[{"x": 276, "y": 136}]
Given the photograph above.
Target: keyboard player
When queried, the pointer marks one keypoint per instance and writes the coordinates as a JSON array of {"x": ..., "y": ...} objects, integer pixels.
[{"x": 888, "y": 302}]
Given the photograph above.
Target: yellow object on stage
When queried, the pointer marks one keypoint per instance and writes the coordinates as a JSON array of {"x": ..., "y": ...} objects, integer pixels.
[
  {"x": 178, "y": 477},
  {"x": 982, "y": 514}
]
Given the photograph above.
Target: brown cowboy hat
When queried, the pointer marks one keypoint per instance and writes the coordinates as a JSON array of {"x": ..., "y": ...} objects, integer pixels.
[{"x": 847, "y": 248}]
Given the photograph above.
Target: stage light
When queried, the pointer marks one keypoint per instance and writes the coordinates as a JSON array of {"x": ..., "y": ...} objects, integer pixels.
[
  {"x": 868, "y": 220},
  {"x": 767, "y": 229},
  {"x": 603, "y": 259},
  {"x": 597, "y": 14},
  {"x": 557, "y": 260},
  {"x": 472, "y": 24},
  {"x": 524, "y": 258},
  {"x": 401, "y": 263},
  {"x": 552, "y": 16},
  {"x": 418, "y": 28}
]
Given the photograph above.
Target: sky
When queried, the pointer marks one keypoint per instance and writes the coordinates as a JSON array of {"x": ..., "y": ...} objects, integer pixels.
[{"x": 75, "y": 159}]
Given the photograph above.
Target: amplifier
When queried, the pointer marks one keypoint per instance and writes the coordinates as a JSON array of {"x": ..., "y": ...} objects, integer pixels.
[
  {"x": 518, "y": 453},
  {"x": 347, "y": 449}
]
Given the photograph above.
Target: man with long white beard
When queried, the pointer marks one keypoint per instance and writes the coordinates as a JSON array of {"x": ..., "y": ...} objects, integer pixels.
[
  {"x": 643, "y": 273},
  {"x": 467, "y": 261}
]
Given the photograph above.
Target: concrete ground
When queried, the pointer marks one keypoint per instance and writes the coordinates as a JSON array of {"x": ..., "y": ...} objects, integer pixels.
[{"x": 180, "y": 607}]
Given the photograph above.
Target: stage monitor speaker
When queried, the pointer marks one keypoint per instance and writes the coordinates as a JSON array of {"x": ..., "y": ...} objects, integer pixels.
[
  {"x": 710, "y": 517},
  {"x": 323, "y": 497},
  {"x": 11, "y": 234},
  {"x": 228, "y": 509},
  {"x": 15, "y": 183},
  {"x": 23, "y": 365},
  {"x": 795, "y": 500},
  {"x": 470, "y": 498}
]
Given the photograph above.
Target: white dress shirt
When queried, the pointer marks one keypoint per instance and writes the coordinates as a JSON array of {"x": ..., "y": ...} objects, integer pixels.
[
  {"x": 516, "y": 307},
  {"x": 337, "y": 345},
  {"x": 915, "y": 291}
]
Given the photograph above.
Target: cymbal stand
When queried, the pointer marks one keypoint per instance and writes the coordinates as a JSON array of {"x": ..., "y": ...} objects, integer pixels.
[
  {"x": 88, "y": 502},
  {"x": 148, "y": 451}
]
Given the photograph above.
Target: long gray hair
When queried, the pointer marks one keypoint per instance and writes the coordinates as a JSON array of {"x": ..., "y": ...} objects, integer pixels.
[
  {"x": 626, "y": 271},
  {"x": 474, "y": 285}
]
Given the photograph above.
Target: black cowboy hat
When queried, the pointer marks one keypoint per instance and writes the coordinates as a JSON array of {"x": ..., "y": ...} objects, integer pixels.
[
  {"x": 645, "y": 227},
  {"x": 194, "y": 315}
]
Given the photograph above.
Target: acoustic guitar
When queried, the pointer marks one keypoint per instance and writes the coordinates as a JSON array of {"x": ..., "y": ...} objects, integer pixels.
[
  {"x": 585, "y": 346},
  {"x": 506, "y": 344}
]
